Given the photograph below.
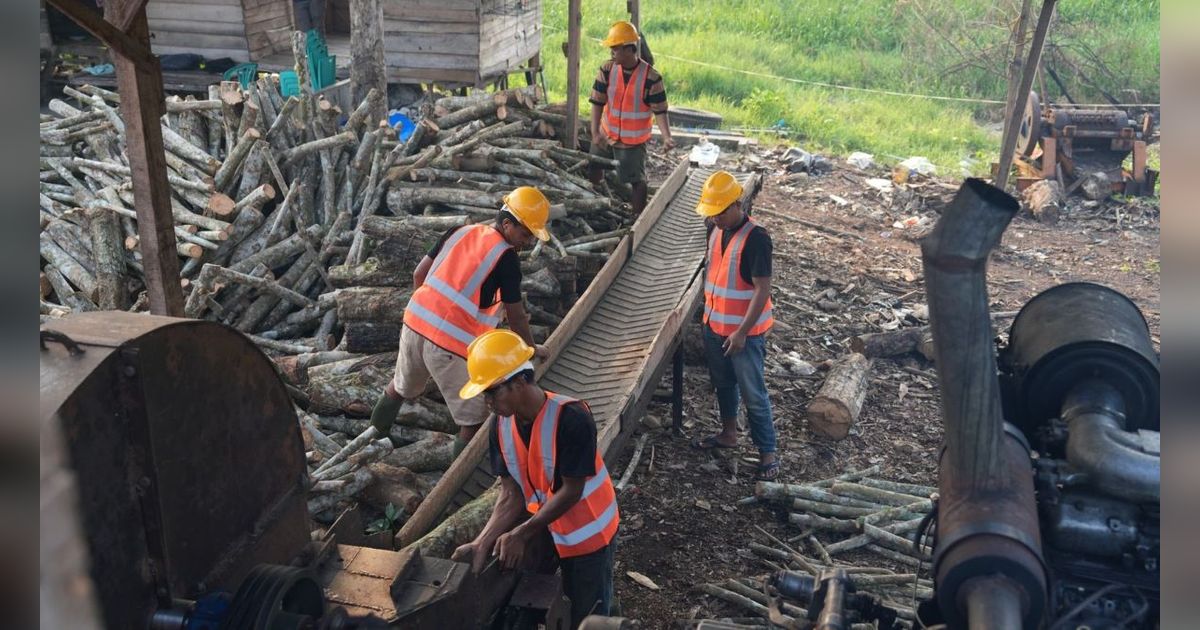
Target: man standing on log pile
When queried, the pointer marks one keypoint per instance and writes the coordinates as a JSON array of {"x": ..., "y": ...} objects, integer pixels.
[
  {"x": 626, "y": 96},
  {"x": 737, "y": 316},
  {"x": 552, "y": 477},
  {"x": 460, "y": 286}
]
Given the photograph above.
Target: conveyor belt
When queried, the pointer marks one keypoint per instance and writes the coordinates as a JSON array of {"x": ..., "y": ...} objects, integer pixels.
[{"x": 615, "y": 341}]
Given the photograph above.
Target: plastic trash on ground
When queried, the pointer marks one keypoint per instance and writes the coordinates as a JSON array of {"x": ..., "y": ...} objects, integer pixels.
[
  {"x": 705, "y": 153},
  {"x": 858, "y": 159}
]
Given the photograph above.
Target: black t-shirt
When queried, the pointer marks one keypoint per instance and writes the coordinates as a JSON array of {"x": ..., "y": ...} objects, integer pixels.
[
  {"x": 505, "y": 276},
  {"x": 756, "y": 253},
  {"x": 576, "y": 444}
]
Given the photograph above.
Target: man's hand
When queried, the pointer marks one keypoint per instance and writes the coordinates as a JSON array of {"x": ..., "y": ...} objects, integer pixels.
[
  {"x": 734, "y": 343},
  {"x": 511, "y": 548},
  {"x": 666, "y": 142},
  {"x": 472, "y": 552},
  {"x": 600, "y": 139},
  {"x": 541, "y": 352}
]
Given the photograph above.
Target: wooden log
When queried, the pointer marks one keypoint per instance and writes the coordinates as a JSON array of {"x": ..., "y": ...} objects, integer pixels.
[
  {"x": 785, "y": 492},
  {"x": 112, "y": 292},
  {"x": 294, "y": 154},
  {"x": 84, "y": 280},
  {"x": 368, "y": 454},
  {"x": 74, "y": 241},
  {"x": 460, "y": 134},
  {"x": 459, "y": 528},
  {"x": 362, "y": 479},
  {"x": 916, "y": 490},
  {"x": 433, "y": 453},
  {"x": 370, "y": 337},
  {"x": 813, "y": 521},
  {"x": 888, "y": 540},
  {"x": 1045, "y": 199},
  {"x": 829, "y": 509},
  {"x": 394, "y": 485},
  {"x": 836, "y": 406},
  {"x": 401, "y": 200},
  {"x": 262, "y": 284},
  {"x": 279, "y": 253},
  {"x": 379, "y": 304},
  {"x": 64, "y": 292},
  {"x": 888, "y": 344},
  {"x": 370, "y": 273},
  {"x": 913, "y": 510},
  {"x": 867, "y": 538},
  {"x": 399, "y": 434},
  {"x": 263, "y": 304},
  {"x": 875, "y": 495}
]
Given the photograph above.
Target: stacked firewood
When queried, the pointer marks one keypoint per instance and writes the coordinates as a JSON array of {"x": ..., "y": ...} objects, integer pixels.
[
  {"x": 275, "y": 202},
  {"x": 866, "y": 514}
]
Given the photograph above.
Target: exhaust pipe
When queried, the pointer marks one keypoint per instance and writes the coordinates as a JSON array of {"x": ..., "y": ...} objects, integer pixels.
[
  {"x": 988, "y": 554},
  {"x": 1099, "y": 446}
]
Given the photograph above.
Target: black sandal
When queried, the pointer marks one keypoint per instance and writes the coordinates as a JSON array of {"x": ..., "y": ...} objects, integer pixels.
[
  {"x": 709, "y": 443},
  {"x": 767, "y": 472}
]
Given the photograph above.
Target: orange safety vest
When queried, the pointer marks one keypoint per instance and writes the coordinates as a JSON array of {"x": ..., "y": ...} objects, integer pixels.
[
  {"x": 726, "y": 295},
  {"x": 445, "y": 309},
  {"x": 588, "y": 525},
  {"x": 627, "y": 118}
]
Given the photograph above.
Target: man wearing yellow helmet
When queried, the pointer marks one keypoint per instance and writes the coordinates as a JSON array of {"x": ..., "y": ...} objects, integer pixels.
[
  {"x": 460, "y": 286},
  {"x": 552, "y": 477},
  {"x": 626, "y": 94},
  {"x": 737, "y": 316}
]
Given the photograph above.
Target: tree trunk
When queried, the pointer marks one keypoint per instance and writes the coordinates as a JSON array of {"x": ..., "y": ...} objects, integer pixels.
[
  {"x": 460, "y": 527},
  {"x": 1044, "y": 199},
  {"x": 371, "y": 273},
  {"x": 376, "y": 304},
  {"x": 430, "y": 454},
  {"x": 394, "y": 485},
  {"x": 837, "y": 405},
  {"x": 354, "y": 393},
  {"x": 888, "y": 344},
  {"x": 371, "y": 337},
  {"x": 113, "y": 294},
  {"x": 368, "y": 69}
]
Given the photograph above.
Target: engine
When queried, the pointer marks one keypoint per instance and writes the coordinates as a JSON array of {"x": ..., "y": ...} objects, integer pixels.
[{"x": 1080, "y": 378}]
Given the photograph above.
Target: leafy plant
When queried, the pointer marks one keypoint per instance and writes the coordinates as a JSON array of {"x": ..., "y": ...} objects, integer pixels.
[{"x": 389, "y": 522}]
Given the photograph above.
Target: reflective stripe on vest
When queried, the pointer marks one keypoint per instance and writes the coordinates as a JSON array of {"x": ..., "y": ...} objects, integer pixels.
[
  {"x": 627, "y": 118},
  {"x": 726, "y": 295},
  {"x": 592, "y": 522},
  {"x": 445, "y": 309}
]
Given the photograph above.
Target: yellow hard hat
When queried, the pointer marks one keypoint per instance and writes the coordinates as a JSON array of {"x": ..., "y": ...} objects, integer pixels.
[
  {"x": 494, "y": 356},
  {"x": 720, "y": 190},
  {"x": 531, "y": 208},
  {"x": 621, "y": 33}
]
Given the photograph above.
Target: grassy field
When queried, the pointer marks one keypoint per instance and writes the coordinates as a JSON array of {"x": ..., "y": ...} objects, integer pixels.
[{"x": 953, "y": 48}]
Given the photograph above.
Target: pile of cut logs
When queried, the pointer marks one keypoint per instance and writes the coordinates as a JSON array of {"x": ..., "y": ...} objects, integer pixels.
[
  {"x": 300, "y": 224},
  {"x": 868, "y": 514}
]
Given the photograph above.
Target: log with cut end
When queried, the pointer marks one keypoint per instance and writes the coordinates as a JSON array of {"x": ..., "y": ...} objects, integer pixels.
[
  {"x": 401, "y": 200},
  {"x": 435, "y": 452},
  {"x": 888, "y": 344},
  {"x": 836, "y": 406},
  {"x": 107, "y": 247},
  {"x": 459, "y": 528},
  {"x": 395, "y": 485},
  {"x": 1045, "y": 199}
]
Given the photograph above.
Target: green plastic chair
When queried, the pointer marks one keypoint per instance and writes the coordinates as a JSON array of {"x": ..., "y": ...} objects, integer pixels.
[
  {"x": 322, "y": 67},
  {"x": 246, "y": 74}
]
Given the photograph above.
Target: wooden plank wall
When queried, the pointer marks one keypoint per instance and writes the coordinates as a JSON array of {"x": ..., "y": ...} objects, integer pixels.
[
  {"x": 510, "y": 33},
  {"x": 212, "y": 28},
  {"x": 431, "y": 40},
  {"x": 269, "y": 25},
  {"x": 243, "y": 30}
]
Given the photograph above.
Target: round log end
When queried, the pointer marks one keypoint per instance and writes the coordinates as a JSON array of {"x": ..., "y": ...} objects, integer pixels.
[
  {"x": 191, "y": 250},
  {"x": 831, "y": 418},
  {"x": 220, "y": 204},
  {"x": 268, "y": 191},
  {"x": 131, "y": 242}
]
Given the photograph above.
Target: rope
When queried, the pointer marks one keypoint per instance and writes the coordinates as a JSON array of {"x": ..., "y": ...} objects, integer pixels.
[{"x": 851, "y": 88}]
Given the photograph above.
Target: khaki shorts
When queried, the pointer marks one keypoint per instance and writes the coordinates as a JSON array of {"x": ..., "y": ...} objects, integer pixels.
[
  {"x": 631, "y": 161},
  {"x": 419, "y": 359}
]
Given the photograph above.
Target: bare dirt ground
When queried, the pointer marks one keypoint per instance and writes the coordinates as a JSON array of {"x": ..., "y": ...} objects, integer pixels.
[{"x": 681, "y": 525}]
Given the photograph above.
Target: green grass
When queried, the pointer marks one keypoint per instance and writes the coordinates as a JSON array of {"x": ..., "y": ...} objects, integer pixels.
[{"x": 939, "y": 47}]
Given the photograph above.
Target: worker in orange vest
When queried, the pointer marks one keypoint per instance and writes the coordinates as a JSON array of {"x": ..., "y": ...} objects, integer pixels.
[
  {"x": 552, "y": 476},
  {"x": 462, "y": 286},
  {"x": 627, "y": 98},
  {"x": 737, "y": 316}
]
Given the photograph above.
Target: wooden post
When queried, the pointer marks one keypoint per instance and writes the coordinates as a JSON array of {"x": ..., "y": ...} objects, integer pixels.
[
  {"x": 635, "y": 13},
  {"x": 1014, "y": 65},
  {"x": 574, "y": 18},
  {"x": 367, "y": 68},
  {"x": 139, "y": 80},
  {"x": 1018, "y": 100}
]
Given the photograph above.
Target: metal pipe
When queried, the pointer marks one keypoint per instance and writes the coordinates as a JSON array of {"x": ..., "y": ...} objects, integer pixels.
[
  {"x": 955, "y": 257},
  {"x": 833, "y": 615},
  {"x": 987, "y": 515},
  {"x": 993, "y": 603},
  {"x": 1099, "y": 446}
]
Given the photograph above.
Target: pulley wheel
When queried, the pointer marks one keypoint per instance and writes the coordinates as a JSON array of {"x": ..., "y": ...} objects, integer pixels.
[
  {"x": 276, "y": 597},
  {"x": 1030, "y": 131}
]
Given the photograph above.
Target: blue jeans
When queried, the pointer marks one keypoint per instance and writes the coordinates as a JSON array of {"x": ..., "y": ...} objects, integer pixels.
[{"x": 741, "y": 376}]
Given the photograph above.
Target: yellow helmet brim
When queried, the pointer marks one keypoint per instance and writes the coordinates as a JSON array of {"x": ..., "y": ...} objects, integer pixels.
[
  {"x": 542, "y": 234},
  {"x": 471, "y": 390},
  {"x": 710, "y": 210}
]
